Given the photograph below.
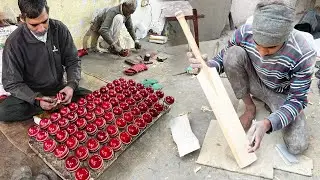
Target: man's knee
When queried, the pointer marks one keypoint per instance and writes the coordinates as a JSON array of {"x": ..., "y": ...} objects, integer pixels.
[
  {"x": 296, "y": 136},
  {"x": 234, "y": 56},
  {"x": 297, "y": 147}
]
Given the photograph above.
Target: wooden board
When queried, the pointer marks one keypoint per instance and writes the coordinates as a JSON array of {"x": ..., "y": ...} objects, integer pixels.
[
  {"x": 220, "y": 104},
  {"x": 58, "y": 165}
]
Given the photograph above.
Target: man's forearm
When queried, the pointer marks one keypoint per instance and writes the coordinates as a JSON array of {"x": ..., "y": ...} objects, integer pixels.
[
  {"x": 21, "y": 91},
  {"x": 129, "y": 26}
]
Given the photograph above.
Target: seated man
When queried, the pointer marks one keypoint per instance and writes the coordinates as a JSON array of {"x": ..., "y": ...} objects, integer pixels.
[
  {"x": 274, "y": 63},
  {"x": 108, "y": 24},
  {"x": 34, "y": 58}
]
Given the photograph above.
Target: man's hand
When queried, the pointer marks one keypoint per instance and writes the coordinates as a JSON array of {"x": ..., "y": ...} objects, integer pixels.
[
  {"x": 194, "y": 63},
  {"x": 137, "y": 45},
  {"x": 256, "y": 133},
  {"x": 68, "y": 91},
  {"x": 47, "y": 103}
]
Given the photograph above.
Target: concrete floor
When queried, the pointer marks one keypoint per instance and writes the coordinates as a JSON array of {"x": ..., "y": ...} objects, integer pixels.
[{"x": 154, "y": 155}]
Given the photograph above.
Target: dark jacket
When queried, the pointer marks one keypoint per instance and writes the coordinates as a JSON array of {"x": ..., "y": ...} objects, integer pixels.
[
  {"x": 103, "y": 21},
  {"x": 31, "y": 67}
]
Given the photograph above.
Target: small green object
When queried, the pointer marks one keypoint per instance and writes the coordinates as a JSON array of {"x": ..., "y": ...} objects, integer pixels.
[
  {"x": 189, "y": 69},
  {"x": 149, "y": 82},
  {"x": 157, "y": 86}
]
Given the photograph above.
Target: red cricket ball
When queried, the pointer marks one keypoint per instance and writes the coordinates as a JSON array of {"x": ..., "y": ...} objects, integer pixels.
[
  {"x": 105, "y": 97},
  {"x": 72, "y": 116},
  {"x": 144, "y": 93},
  {"x": 42, "y": 135},
  {"x": 121, "y": 123},
  {"x": 82, "y": 153},
  {"x": 90, "y": 106},
  {"x": 73, "y": 106},
  {"x": 102, "y": 137},
  {"x": 62, "y": 136},
  {"x": 143, "y": 107},
  {"x": 92, "y": 145},
  {"x": 112, "y": 130},
  {"x": 96, "y": 93},
  {"x": 106, "y": 153},
  {"x": 81, "y": 123},
  {"x": 148, "y": 102},
  {"x": 63, "y": 123},
  {"x": 49, "y": 145},
  {"x": 100, "y": 122},
  {"x": 135, "y": 111},
  {"x": 97, "y": 101},
  {"x": 121, "y": 97},
  {"x": 117, "y": 111},
  {"x": 140, "y": 86},
  {"x": 131, "y": 101},
  {"x": 82, "y": 136},
  {"x": 110, "y": 86},
  {"x": 133, "y": 130},
  {"x": 133, "y": 90},
  {"x": 55, "y": 117},
  {"x": 114, "y": 102},
  {"x": 91, "y": 129},
  {"x": 99, "y": 111},
  {"x": 44, "y": 123},
  {"x": 109, "y": 117},
  {"x": 90, "y": 117},
  {"x": 61, "y": 151},
  {"x": 103, "y": 90},
  {"x": 153, "y": 97},
  {"x": 137, "y": 97},
  {"x": 140, "y": 123},
  {"x": 125, "y": 86},
  {"x": 82, "y": 102},
  {"x": 82, "y": 174},
  {"x": 125, "y": 137},
  {"x": 115, "y": 144},
  {"x": 153, "y": 112},
  {"x": 89, "y": 97},
  {"x": 82, "y": 111},
  {"x": 169, "y": 100},
  {"x": 122, "y": 80},
  {"x": 124, "y": 106},
  {"x": 72, "y": 128},
  {"x": 159, "y": 107},
  {"x": 33, "y": 130},
  {"x": 160, "y": 94},
  {"x": 107, "y": 106},
  {"x": 150, "y": 90},
  {"x": 126, "y": 93},
  {"x": 116, "y": 82},
  {"x": 147, "y": 118},
  {"x": 72, "y": 163},
  {"x": 112, "y": 93},
  {"x": 72, "y": 143},
  {"x": 95, "y": 162},
  {"x": 131, "y": 82},
  {"x": 118, "y": 89},
  {"x": 128, "y": 117},
  {"x": 53, "y": 129}
]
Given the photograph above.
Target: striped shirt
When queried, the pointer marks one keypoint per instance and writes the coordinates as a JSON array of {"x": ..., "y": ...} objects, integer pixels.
[{"x": 289, "y": 71}]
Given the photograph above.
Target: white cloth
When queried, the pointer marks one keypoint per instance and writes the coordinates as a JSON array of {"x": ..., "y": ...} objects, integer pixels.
[
  {"x": 115, "y": 29},
  {"x": 4, "y": 34}
]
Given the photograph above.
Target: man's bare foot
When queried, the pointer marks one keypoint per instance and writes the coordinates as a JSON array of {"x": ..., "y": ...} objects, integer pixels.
[{"x": 247, "y": 117}]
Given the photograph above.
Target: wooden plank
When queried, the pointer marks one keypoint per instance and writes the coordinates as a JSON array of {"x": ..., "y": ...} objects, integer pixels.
[{"x": 220, "y": 104}]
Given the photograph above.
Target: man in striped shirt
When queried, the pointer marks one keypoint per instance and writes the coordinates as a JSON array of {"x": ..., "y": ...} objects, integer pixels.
[{"x": 273, "y": 63}]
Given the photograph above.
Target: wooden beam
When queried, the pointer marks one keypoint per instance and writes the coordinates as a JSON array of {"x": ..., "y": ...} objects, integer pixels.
[{"x": 220, "y": 103}]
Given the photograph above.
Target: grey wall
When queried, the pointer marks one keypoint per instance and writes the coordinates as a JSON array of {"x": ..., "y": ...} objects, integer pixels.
[{"x": 216, "y": 14}]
